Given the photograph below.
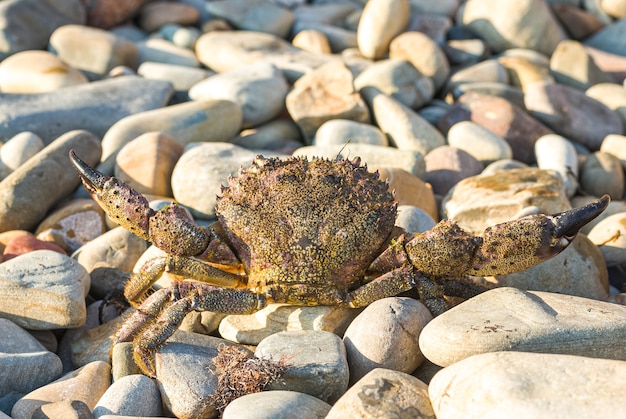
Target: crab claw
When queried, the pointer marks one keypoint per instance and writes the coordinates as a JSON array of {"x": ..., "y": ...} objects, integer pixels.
[{"x": 169, "y": 229}]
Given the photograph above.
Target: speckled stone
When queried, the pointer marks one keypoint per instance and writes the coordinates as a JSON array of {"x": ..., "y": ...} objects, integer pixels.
[
  {"x": 505, "y": 319},
  {"x": 519, "y": 384},
  {"x": 276, "y": 404},
  {"x": 384, "y": 393},
  {"x": 385, "y": 335},
  {"x": 380, "y": 22},
  {"x": 325, "y": 93},
  {"x": 92, "y": 50},
  {"x": 316, "y": 364},
  {"x": 86, "y": 385}
]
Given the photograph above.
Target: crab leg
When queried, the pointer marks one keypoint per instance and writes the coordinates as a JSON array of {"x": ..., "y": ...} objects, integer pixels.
[
  {"x": 449, "y": 251},
  {"x": 159, "y": 316}
]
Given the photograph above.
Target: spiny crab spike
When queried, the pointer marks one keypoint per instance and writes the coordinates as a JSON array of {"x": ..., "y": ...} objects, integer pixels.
[{"x": 568, "y": 223}]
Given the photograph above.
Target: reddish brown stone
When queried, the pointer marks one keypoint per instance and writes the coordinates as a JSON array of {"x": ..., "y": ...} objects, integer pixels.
[
  {"x": 25, "y": 243},
  {"x": 577, "y": 22},
  {"x": 108, "y": 13}
]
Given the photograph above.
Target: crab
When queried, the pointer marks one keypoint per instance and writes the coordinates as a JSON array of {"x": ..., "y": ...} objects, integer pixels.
[{"x": 307, "y": 232}]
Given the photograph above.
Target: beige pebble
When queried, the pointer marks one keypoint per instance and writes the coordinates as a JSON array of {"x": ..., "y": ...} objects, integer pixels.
[
  {"x": 162, "y": 51},
  {"x": 612, "y": 95},
  {"x": 380, "y": 22},
  {"x": 478, "y": 141},
  {"x": 17, "y": 150},
  {"x": 613, "y": 144},
  {"x": 343, "y": 131},
  {"x": 313, "y": 41},
  {"x": 18, "y": 71},
  {"x": 601, "y": 174},
  {"x": 146, "y": 163},
  {"x": 610, "y": 237}
]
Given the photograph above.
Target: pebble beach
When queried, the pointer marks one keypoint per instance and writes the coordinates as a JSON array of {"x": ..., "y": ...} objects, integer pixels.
[{"x": 477, "y": 111}]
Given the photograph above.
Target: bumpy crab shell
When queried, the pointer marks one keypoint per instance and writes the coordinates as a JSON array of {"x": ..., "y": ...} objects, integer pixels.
[{"x": 318, "y": 223}]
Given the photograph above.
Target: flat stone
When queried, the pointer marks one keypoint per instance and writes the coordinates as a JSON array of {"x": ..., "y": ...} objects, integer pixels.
[
  {"x": 602, "y": 173},
  {"x": 162, "y": 51},
  {"x": 276, "y": 404},
  {"x": 207, "y": 120},
  {"x": 180, "y": 76},
  {"x": 28, "y": 24},
  {"x": 251, "y": 329},
  {"x": 132, "y": 395},
  {"x": 608, "y": 38},
  {"x": 278, "y": 136},
  {"x": 519, "y": 384},
  {"x": 573, "y": 66},
  {"x": 315, "y": 363},
  {"x": 507, "y": 319},
  {"x": 484, "y": 200},
  {"x": 93, "y": 107},
  {"x": 512, "y": 94},
  {"x": 380, "y": 22},
  {"x": 18, "y": 71},
  {"x": 85, "y": 385},
  {"x": 534, "y": 26},
  {"x": 25, "y": 364},
  {"x": 406, "y": 129},
  {"x": 254, "y": 15},
  {"x": 385, "y": 335},
  {"x": 374, "y": 156},
  {"x": 571, "y": 113},
  {"x": 117, "y": 248},
  {"x": 24, "y": 243},
  {"x": 259, "y": 89},
  {"x": 92, "y": 50},
  {"x": 384, "y": 393},
  {"x": 447, "y": 165},
  {"x": 610, "y": 237},
  {"x": 43, "y": 290},
  {"x": 326, "y": 93},
  {"x": 482, "y": 144},
  {"x": 28, "y": 193}
]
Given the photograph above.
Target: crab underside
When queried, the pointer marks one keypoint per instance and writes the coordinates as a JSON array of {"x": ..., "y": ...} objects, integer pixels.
[{"x": 318, "y": 232}]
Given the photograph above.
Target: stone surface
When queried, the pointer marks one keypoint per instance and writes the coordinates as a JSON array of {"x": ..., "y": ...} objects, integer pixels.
[
  {"x": 572, "y": 65},
  {"x": 414, "y": 219},
  {"x": 276, "y": 404},
  {"x": 254, "y": 15},
  {"x": 17, "y": 150},
  {"x": 479, "y": 142},
  {"x": 409, "y": 189},
  {"x": 43, "y": 290},
  {"x": 507, "y": 319},
  {"x": 154, "y": 15},
  {"x": 519, "y": 384},
  {"x": 613, "y": 144},
  {"x": 612, "y": 95},
  {"x": 380, "y": 22},
  {"x": 610, "y": 237},
  {"x": 133, "y": 395},
  {"x": 251, "y": 329},
  {"x": 555, "y": 152},
  {"x": 425, "y": 55},
  {"x": 27, "y": 194},
  {"x": 85, "y": 385},
  {"x": 385, "y": 335},
  {"x": 93, "y": 107},
  {"x": 25, "y": 243},
  {"x": 446, "y": 166},
  {"x": 315, "y": 361},
  {"x": 384, "y": 393},
  {"x": 162, "y": 51},
  {"x": 608, "y": 38},
  {"x": 601, "y": 174},
  {"x": 117, "y": 248},
  {"x": 343, "y": 131}
]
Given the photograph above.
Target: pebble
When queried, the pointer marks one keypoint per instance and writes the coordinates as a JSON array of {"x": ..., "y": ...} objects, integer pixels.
[
  {"x": 250, "y": 329},
  {"x": 487, "y": 199},
  {"x": 613, "y": 144},
  {"x": 520, "y": 384},
  {"x": 179, "y": 76},
  {"x": 153, "y": 16},
  {"x": 610, "y": 237},
  {"x": 434, "y": 26},
  {"x": 384, "y": 393},
  {"x": 207, "y": 164},
  {"x": 465, "y": 52},
  {"x": 326, "y": 93},
  {"x": 259, "y": 89},
  {"x": 106, "y": 14},
  {"x": 409, "y": 190},
  {"x": 447, "y": 165},
  {"x": 337, "y": 39},
  {"x": 256, "y": 16},
  {"x": 209, "y": 120},
  {"x": 72, "y": 224},
  {"x": 181, "y": 36},
  {"x": 312, "y": 40},
  {"x": 28, "y": 24},
  {"x": 579, "y": 23},
  {"x": 25, "y": 363},
  {"x": 132, "y": 395},
  {"x": 52, "y": 73},
  {"x": 85, "y": 385},
  {"x": 512, "y": 94},
  {"x": 482, "y": 144},
  {"x": 93, "y": 107},
  {"x": 612, "y": 95},
  {"x": 400, "y": 80},
  {"x": 571, "y": 113},
  {"x": 162, "y": 51},
  {"x": 279, "y": 135},
  {"x": 579, "y": 270},
  {"x": 404, "y": 127},
  {"x": 571, "y": 65},
  {"x": 344, "y": 131},
  {"x": 602, "y": 173},
  {"x": 315, "y": 362},
  {"x": 534, "y": 27},
  {"x": 381, "y": 21},
  {"x": 425, "y": 55},
  {"x": 44, "y": 290},
  {"x": 502, "y": 118},
  {"x": 508, "y": 319},
  {"x": 555, "y": 152},
  {"x": 411, "y": 161},
  {"x": 524, "y": 71},
  {"x": 44, "y": 179},
  {"x": 17, "y": 150},
  {"x": 609, "y": 38},
  {"x": 92, "y": 50},
  {"x": 489, "y": 71},
  {"x": 117, "y": 248},
  {"x": 276, "y": 404},
  {"x": 385, "y": 335},
  {"x": 414, "y": 219},
  {"x": 25, "y": 243},
  {"x": 7, "y": 236},
  {"x": 146, "y": 163}
]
